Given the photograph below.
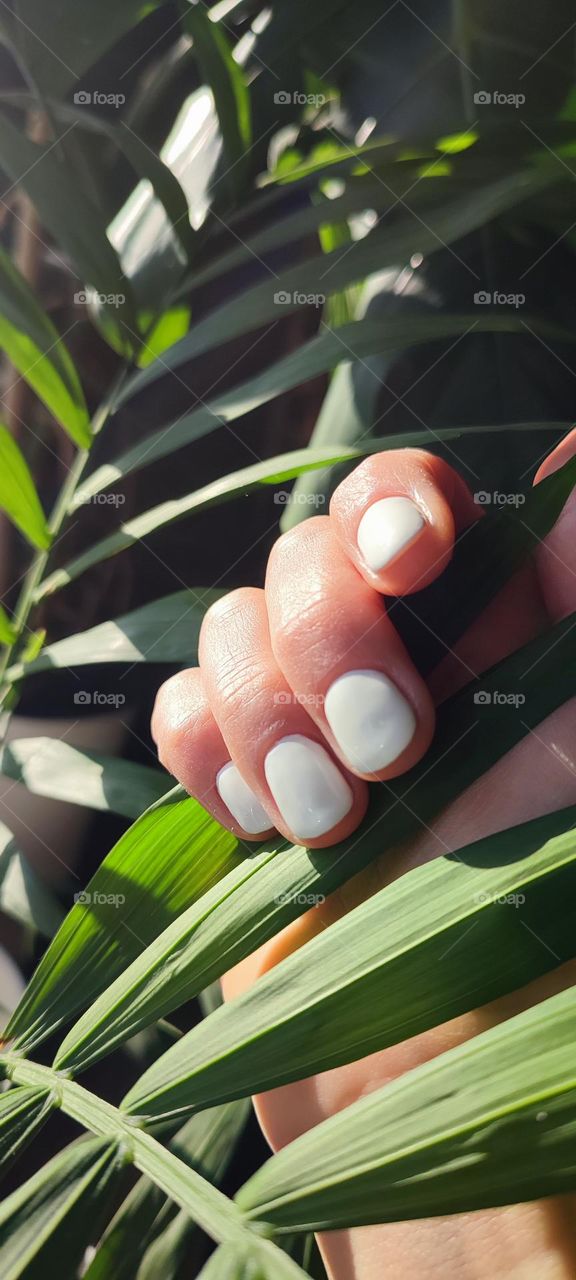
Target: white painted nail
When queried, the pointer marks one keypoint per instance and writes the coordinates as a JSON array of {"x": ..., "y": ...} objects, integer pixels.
[
  {"x": 308, "y": 788},
  {"x": 386, "y": 529},
  {"x": 371, "y": 720},
  {"x": 241, "y": 801}
]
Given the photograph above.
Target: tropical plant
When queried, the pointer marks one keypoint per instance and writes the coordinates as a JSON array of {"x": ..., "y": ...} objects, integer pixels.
[{"x": 253, "y": 187}]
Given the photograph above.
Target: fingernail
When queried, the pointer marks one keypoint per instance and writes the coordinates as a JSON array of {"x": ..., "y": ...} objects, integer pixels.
[
  {"x": 371, "y": 720},
  {"x": 308, "y": 788},
  {"x": 241, "y": 801},
  {"x": 386, "y": 528}
]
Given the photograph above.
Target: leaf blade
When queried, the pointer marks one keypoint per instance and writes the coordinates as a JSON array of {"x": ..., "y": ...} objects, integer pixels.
[
  {"x": 22, "y": 1113},
  {"x": 150, "y": 868},
  {"x": 386, "y": 971},
  {"x": 55, "y": 769},
  {"x": 229, "y": 90},
  {"x": 166, "y": 630},
  {"x": 18, "y": 496},
  {"x": 52, "y": 1215},
  {"x": 491, "y": 1122},
  {"x": 331, "y": 272},
  {"x": 36, "y": 350},
  {"x": 23, "y": 895},
  {"x": 74, "y": 220}
]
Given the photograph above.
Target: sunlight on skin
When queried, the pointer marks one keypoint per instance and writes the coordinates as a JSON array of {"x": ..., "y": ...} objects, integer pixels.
[{"x": 526, "y": 1242}]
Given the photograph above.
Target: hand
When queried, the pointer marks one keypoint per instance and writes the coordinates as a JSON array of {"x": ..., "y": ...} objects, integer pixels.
[{"x": 304, "y": 693}]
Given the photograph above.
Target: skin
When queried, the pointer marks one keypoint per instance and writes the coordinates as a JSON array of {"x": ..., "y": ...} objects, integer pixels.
[{"x": 320, "y": 615}]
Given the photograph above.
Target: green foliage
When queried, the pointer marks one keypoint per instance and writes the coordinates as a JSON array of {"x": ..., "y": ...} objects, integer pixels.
[
  {"x": 18, "y": 496},
  {"x": 34, "y": 348}
]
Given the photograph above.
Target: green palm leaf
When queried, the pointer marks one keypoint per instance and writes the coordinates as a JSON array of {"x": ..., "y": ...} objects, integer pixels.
[
  {"x": 18, "y": 495},
  {"x": 43, "y": 1223},
  {"x": 489, "y": 1123},
  {"x": 22, "y": 1113},
  {"x": 36, "y": 350},
  {"x": 49, "y": 767},
  {"x": 150, "y": 873},
  {"x": 443, "y": 939}
]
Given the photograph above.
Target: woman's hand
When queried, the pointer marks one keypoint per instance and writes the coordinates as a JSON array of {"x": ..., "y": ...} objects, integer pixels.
[{"x": 305, "y": 692}]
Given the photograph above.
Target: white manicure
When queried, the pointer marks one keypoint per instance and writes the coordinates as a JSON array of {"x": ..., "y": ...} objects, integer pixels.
[
  {"x": 371, "y": 720},
  {"x": 241, "y": 801},
  {"x": 386, "y": 528},
  {"x": 310, "y": 792}
]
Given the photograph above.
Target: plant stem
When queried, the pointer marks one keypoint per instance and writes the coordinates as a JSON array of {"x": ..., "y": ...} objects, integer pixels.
[{"x": 210, "y": 1208}]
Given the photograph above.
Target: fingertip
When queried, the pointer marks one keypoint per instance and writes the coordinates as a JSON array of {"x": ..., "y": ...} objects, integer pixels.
[
  {"x": 395, "y": 517},
  {"x": 191, "y": 748},
  {"x": 557, "y": 458}
]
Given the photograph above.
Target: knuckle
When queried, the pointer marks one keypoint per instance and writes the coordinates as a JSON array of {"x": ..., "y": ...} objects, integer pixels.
[
  {"x": 165, "y": 704},
  {"x": 296, "y": 546},
  {"x": 241, "y": 681},
  {"x": 228, "y": 607}
]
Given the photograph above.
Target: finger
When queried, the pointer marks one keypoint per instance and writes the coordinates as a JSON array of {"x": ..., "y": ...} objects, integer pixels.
[
  {"x": 192, "y": 748},
  {"x": 543, "y": 589},
  {"x": 396, "y": 518},
  {"x": 342, "y": 657},
  {"x": 271, "y": 739},
  {"x": 556, "y": 557}
]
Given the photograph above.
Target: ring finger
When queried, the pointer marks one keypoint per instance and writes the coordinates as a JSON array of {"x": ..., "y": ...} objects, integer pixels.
[{"x": 278, "y": 750}]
